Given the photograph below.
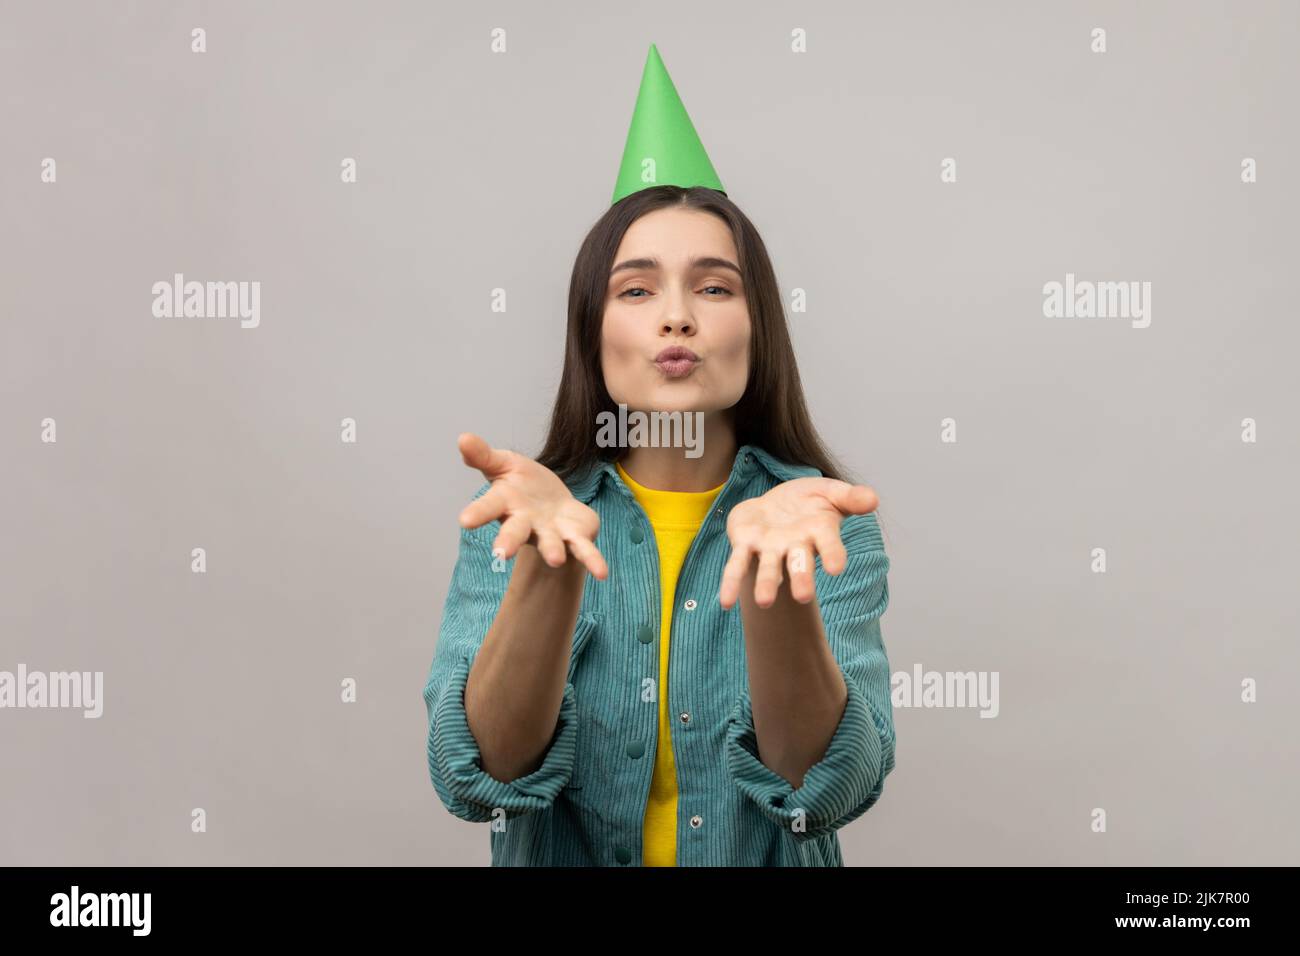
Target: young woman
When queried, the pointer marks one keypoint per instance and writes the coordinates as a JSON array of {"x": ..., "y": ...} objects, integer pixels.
[{"x": 653, "y": 658}]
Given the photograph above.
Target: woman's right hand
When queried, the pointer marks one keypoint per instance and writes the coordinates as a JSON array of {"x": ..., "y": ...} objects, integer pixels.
[{"x": 534, "y": 506}]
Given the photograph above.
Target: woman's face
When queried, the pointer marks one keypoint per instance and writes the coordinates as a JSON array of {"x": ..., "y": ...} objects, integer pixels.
[{"x": 675, "y": 283}]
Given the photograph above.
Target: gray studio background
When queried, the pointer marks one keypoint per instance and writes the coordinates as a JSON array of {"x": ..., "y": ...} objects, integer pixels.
[{"x": 477, "y": 171}]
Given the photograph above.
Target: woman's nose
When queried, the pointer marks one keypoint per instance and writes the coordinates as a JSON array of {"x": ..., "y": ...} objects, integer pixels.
[{"x": 679, "y": 325}]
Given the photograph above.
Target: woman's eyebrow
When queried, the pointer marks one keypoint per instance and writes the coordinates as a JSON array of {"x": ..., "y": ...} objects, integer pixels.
[{"x": 702, "y": 262}]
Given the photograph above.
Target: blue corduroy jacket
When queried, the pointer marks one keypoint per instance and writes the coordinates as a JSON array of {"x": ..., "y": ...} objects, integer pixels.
[{"x": 585, "y": 805}]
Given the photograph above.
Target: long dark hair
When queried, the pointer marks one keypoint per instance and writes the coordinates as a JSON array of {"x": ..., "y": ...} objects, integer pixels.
[{"x": 771, "y": 414}]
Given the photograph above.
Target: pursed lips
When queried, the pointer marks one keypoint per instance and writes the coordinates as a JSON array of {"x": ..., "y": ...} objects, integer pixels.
[{"x": 676, "y": 361}]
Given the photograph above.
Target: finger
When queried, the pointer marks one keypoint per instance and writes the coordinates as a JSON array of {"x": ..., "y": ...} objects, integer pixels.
[
  {"x": 586, "y": 552},
  {"x": 769, "y": 577},
  {"x": 491, "y": 505},
  {"x": 831, "y": 548},
  {"x": 551, "y": 546},
  {"x": 733, "y": 574},
  {"x": 852, "y": 499},
  {"x": 799, "y": 564},
  {"x": 515, "y": 530},
  {"x": 477, "y": 453}
]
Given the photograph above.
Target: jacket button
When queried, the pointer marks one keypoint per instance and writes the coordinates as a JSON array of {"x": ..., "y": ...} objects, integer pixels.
[
  {"x": 636, "y": 750},
  {"x": 644, "y": 634},
  {"x": 697, "y": 821},
  {"x": 685, "y": 717},
  {"x": 636, "y": 534},
  {"x": 622, "y": 854},
  {"x": 690, "y": 604}
]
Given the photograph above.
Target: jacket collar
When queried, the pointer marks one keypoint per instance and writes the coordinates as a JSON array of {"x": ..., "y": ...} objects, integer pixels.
[{"x": 749, "y": 458}]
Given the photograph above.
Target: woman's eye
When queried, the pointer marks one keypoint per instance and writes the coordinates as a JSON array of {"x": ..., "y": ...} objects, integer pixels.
[{"x": 629, "y": 293}]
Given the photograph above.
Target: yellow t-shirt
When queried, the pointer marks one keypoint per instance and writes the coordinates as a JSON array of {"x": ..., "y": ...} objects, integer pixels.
[{"x": 675, "y": 517}]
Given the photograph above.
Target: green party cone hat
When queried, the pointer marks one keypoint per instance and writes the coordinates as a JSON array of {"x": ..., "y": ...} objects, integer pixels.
[{"x": 662, "y": 145}]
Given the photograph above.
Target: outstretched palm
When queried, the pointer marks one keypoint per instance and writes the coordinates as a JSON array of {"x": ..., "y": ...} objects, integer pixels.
[
  {"x": 534, "y": 507},
  {"x": 785, "y": 527}
]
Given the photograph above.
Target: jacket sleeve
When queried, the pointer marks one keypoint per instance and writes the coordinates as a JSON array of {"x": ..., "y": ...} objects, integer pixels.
[
  {"x": 455, "y": 763},
  {"x": 849, "y": 778}
]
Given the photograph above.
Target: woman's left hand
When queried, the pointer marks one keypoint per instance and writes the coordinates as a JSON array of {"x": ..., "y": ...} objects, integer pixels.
[{"x": 784, "y": 528}]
